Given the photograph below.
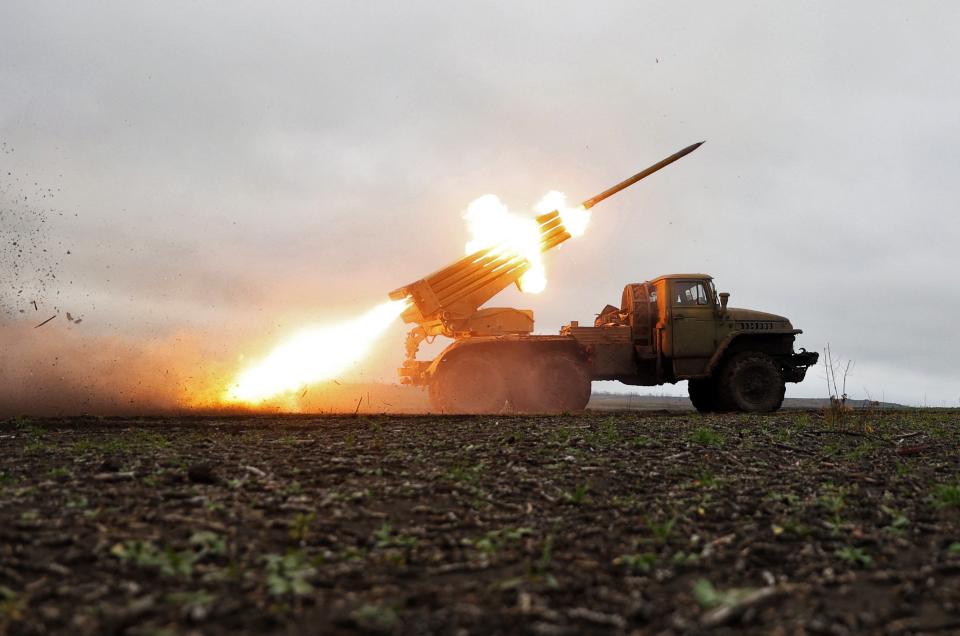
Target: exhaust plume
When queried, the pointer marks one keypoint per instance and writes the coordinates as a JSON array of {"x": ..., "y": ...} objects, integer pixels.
[
  {"x": 495, "y": 228},
  {"x": 313, "y": 355}
]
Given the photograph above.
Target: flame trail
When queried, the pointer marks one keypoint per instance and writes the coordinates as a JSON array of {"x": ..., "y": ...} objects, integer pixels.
[
  {"x": 575, "y": 220},
  {"x": 313, "y": 355},
  {"x": 322, "y": 352},
  {"x": 494, "y": 227}
]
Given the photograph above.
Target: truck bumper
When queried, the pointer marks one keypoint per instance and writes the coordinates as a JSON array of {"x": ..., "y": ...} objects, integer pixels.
[{"x": 795, "y": 367}]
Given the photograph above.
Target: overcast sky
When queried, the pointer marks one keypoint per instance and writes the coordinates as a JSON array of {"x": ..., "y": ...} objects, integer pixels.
[{"x": 235, "y": 170}]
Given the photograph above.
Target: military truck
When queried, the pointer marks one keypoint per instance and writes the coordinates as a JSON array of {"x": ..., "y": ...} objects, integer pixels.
[{"x": 674, "y": 327}]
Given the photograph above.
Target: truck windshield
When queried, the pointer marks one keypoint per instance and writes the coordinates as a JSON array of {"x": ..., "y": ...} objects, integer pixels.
[{"x": 690, "y": 293}]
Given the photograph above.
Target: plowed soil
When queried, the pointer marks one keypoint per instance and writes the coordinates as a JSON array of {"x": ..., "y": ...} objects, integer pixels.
[{"x": 599, "y": 523}]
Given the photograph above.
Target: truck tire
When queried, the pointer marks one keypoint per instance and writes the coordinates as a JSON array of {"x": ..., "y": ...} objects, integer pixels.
[
  {"x": 751, "y": 383},
  {"x": 555, "y": 382},
  {"x": 703, "y": 395},
  {"x": 468, "y": 383}
]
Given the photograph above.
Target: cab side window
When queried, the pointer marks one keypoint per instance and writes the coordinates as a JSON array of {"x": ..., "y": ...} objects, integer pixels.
[{"x": 686, "y": 293}]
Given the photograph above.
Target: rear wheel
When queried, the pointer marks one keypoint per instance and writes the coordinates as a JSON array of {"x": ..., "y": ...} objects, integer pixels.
[
  {"x": 752, "y": 383},
  {"x": 468, "y": 383},
  {"x": 555, "y": 381}
]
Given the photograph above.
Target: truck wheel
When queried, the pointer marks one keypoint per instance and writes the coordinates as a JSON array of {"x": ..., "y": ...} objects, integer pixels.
[
  {"x": 752, "y": 383},
  {"x": 468, "y": 383},
  {"x": 703, "y": 394},
  {"x": 556, "y": 381}
]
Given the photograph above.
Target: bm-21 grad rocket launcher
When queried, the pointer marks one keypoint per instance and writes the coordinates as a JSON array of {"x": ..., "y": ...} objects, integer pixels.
[{"x": 671, "y": 328}]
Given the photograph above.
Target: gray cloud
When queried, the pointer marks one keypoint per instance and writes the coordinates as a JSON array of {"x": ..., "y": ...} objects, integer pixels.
[{"x": 236, "y": 169}]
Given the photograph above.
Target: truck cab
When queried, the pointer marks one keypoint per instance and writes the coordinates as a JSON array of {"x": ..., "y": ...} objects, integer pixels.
[
  {"x": 692, "y": 322},
  {"x": 682, "y": 329}
]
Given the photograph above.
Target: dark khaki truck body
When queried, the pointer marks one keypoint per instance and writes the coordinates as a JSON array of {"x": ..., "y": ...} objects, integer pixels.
[
  {"x": 672, "y": 328},
  {"x": 679, "y": 328}
]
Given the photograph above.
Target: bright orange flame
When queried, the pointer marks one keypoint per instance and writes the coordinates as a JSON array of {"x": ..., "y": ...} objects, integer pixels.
[
  {"x": 575, "y": 220},
  {"x": 322, "y": 352},
  {"x": 313, "y": 355},
  {"x": 494, "y": 227}
]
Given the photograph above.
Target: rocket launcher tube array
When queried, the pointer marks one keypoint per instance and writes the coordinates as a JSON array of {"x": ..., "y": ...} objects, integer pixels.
[{"x": 459, "y": 289}]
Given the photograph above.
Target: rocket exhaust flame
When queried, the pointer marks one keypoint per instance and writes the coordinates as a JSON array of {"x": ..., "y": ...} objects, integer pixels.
[
  {"x": 321, "y": 353},
  {"x": 313, "y": 355},
  {"x": 497, "y": 229},
  {"x": 494, "y": 228}
]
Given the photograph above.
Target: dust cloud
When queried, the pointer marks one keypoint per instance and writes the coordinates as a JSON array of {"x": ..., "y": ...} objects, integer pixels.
[{"x": 59, "y": 370}]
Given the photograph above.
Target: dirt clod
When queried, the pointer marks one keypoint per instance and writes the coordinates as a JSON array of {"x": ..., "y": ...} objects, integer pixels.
[{"x": 202, "y": 474}]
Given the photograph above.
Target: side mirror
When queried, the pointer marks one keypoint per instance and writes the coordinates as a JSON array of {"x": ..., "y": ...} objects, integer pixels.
[{"x": 724, "y": 297}]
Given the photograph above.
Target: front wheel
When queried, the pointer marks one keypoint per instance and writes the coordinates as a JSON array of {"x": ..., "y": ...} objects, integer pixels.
[{"x": 752, "y": 383}]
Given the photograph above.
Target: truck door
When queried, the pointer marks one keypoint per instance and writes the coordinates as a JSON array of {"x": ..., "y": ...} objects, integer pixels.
[{"x": 693, "y": 326}]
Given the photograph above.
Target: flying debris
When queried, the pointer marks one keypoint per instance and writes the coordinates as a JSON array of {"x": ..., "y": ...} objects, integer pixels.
[{"x": 46, "y": 321}]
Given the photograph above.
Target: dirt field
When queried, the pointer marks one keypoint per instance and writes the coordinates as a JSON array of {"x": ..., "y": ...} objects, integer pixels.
[{"x": 600, "y": 523}]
